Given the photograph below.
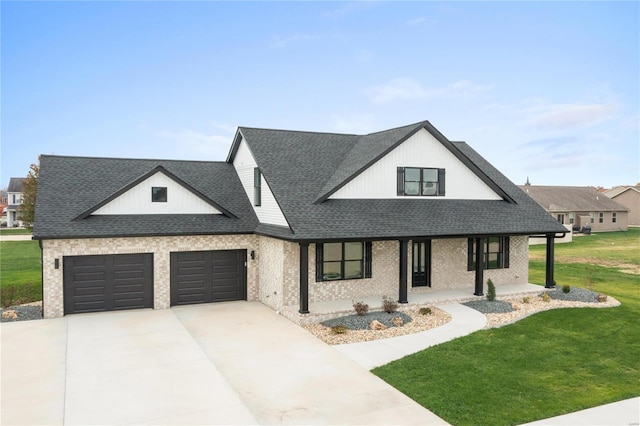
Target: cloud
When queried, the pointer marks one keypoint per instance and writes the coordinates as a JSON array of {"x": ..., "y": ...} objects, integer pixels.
[
  {"x": 571, "y": 116},
  {"x": 192, "y": 144},
  {"x": 420, "y": 21},
  {"x": 280, "y": 42},
  {"x": 406, "y": 89},
  {"x": 354, "y": 124},
  {"x": 346, "y": 9}
]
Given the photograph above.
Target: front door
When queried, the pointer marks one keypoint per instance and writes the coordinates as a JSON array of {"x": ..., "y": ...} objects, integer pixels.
[{"x": 421, "y": 276}]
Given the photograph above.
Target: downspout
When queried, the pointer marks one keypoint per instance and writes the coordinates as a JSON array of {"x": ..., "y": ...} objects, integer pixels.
[{"x": 41, "y": 275}]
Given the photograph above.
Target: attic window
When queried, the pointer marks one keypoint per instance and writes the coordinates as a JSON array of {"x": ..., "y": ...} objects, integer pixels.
[
  {"x": 417, "y": 181},
  {"x": 159, "y": 194}
]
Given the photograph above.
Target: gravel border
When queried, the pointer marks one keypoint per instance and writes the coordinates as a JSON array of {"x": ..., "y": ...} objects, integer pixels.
[
  {"x": 490, "y": 307},
  {"x": 357, "y": 322},
  {"x": 26, "y": 312},
  {"x": 576, "y": 294}
]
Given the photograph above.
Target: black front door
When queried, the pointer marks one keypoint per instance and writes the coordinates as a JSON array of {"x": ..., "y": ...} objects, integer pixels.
[{"x": 421, "y": 276}]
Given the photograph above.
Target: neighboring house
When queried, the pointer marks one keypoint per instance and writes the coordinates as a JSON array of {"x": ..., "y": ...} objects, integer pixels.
[
  {"x": 580, "y": 206},
  {"x": 628, "y": 196},
  {"x": 290, "y": 218},
  {"x": 14, "y": 198}
]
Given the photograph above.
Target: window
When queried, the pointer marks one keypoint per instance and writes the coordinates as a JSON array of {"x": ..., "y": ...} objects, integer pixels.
[
  {"x": 495, "y": 253},
  {"x": 600, "y": 217},
  {"x": 614, "y": 217},
  {"x": 257, "y": 188},
  {"x": 159, "y": 194},
  {"x": 591, "y": 217},
  {"x": 415, "y": 181},
  {"x": 561, "y": 218},
  {"x": 343, "y": 261},
  {"x": 572, "y": 218}
]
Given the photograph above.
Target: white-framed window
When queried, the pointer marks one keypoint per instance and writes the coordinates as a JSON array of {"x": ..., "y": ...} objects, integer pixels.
[
  {"x": 601, "y": 217},
  {"x": 572, "y": 218},
  {"x": 614, "y": 217}
]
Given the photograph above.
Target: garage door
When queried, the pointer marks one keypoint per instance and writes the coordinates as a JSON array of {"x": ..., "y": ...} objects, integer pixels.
[
  {"x": 107, "y": 282},
  {"x": 208, "y": 276}
]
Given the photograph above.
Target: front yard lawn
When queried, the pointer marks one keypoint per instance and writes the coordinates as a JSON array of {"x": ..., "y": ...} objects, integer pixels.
[
  {"x": 551, "y": 363},
  {"x": 20, "y": 272}
]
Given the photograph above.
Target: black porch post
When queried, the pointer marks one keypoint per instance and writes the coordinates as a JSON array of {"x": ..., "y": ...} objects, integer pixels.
[
  {"x": 479, "y": 267},
  {"x": 404, "y": 253},
  {"x": 304, "y": 278},
  {"x": 549, "y": 281}
]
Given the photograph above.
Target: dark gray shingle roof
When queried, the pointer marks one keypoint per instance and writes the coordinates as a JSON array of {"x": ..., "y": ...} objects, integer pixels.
[
  {"x": 572, "y": 199},
  {"x": 70, "y": 186},
  {"x": 15, "y": 184}
]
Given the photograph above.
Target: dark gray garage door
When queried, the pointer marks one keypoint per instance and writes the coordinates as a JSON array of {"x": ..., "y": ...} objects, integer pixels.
[
  {"x": 208, "y": 276},
  {"x": 107, "y": 282}
]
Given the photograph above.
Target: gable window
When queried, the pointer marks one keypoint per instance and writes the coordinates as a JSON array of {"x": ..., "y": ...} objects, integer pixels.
[
  {"x": 614, "y": 217},
  {"x": 343, "y": 261},
  {"x": 159, "y": 194},
  {"x": 418, "y": 181},
  {"x": 257, "y": 187},
  {"x": 495, "y": 253}
]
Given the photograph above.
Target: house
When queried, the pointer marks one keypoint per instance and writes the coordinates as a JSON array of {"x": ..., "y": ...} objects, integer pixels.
[
  {"x": 289, "y": 218},
  {"x": 14, "y": 195},
  {"x": 628, "y": 196},
  {"x": 580, "y": 206}
]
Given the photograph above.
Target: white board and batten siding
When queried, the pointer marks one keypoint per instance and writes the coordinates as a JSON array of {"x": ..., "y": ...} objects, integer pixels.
[
  {"x": 420, "y": 150},
  {"x": 137, "y": 200},
  {"x": 268, "y": 211}
]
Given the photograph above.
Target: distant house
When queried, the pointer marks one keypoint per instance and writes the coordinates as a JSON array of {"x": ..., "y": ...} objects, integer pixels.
[
  {"x": 628, "y": 196},
  {"x": 290, "y": 219},
  {"x": 580, "y": 206},
  {"x": 14, "y": 199}
]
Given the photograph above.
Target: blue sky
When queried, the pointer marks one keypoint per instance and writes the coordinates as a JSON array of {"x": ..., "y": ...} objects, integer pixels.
[{"x": 545, "y": 90}]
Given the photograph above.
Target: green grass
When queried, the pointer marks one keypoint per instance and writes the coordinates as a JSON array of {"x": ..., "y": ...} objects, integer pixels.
[
  {"x": 20, "y": 272},
  {"x": 552, "y": 363},
  {"x": 15, "y": 231}
]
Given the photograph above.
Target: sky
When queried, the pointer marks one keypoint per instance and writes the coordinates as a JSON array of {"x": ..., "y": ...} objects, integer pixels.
[{"x": 548, "y": 91}]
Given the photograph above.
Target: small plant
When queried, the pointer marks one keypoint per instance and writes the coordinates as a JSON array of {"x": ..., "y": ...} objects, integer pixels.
[
  {"x": 339, "y": 329},
  {"x": 389, "y": 305},
  {"x": 424, "y": 311},
  {"x": 526, "y": 299},
  {"x": 546, "y": 297},
  {"x": 602, "y": 297},
  {"x": 491, "y": 291},
  {"x": 361, "y": 308},
  {"x": 566, "y": 288}
]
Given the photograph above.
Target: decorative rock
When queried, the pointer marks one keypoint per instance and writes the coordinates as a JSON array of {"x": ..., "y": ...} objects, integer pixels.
[
  {"x": 377, "y": 325},
  {"x": 10, "y": 314},
  {"x": 397, "y": 321}
]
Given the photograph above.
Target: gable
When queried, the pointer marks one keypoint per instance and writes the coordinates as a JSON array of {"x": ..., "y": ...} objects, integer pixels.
[
  {"x": 137, "y": 199},
  {"x": 423, "y": 150},
  {"x": 244, "y": 163}
]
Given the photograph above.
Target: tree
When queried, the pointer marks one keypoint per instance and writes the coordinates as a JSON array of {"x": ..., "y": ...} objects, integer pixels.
[{"x": 27, "y": 209}]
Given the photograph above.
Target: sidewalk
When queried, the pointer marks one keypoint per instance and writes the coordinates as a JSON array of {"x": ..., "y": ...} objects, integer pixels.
[
  {"x": 464, "y": 321},
  {"x": 15, "y": 237}
]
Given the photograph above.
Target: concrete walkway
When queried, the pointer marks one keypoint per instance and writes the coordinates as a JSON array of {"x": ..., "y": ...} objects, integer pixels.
[
  {"x": 16, "y": 237},
  {"x": 375, "y": 353}
]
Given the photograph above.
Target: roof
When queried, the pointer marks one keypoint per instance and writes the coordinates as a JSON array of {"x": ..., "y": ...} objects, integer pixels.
[
  {"x": 15, "y": 184},
  {"x": 572, "y": 199},
  {"x": 71, "y": 186},
  {"x": 300, "y": 167},
  {"x": 614, "y": 192}
]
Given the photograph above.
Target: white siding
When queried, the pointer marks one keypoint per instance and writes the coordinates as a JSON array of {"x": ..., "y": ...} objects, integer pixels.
[
  {"x": 269, "y": 211},
  {"x": 137, "y": 200},
  {"x": 420, "y": 150}
]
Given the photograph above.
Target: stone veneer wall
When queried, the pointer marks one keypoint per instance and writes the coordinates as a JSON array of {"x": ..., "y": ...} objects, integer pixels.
[{"x": 160, "y": 247}]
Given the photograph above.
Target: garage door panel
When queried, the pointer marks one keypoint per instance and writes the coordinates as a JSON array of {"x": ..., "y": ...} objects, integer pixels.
[
  {"x": 107, "y": 282},
  {"x": 208, "y": 276}
]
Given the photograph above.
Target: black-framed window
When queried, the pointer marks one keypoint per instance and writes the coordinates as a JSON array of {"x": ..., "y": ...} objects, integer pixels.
[
  {"x": 420, "y": 181},
  {"x": 495, "y": 253},
  {"x": 159, "y": 194},
  {"x": 343, "y": 261},
  {"x": 614, "y": 217},
  {"x": 601, "y": 217},
  {"x": 257, "y": 187}
]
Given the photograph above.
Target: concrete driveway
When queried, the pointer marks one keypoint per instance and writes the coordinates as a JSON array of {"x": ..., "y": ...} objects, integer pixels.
[{"x": 223, "y": 363}]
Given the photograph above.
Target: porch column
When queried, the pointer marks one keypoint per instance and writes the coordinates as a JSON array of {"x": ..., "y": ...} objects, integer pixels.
[
  {"x": 404, "y": 254},
  {"x": 549, "y": 281},
  {"x": 304, "y": 278},
  {"x": 479, "y": 291}
]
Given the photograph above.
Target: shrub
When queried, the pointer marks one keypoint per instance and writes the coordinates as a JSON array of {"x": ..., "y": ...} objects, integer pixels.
[
  {"x": 339, "y": 329},
  {"x": 566, "y": 288},
  {"x": 546, "y": 297},
  {"x": 389, "y": 305},
  {"x": 602, "y": 297},
  {"x": 361, "y": 308},
  {"x": 526, "y": 299},
  {"x": 425, "y": 311},
  {"x": 491, "y": 292}
]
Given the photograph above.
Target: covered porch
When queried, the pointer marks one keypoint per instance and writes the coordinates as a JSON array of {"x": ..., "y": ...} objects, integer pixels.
[{"x": 321, "y": 311}]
